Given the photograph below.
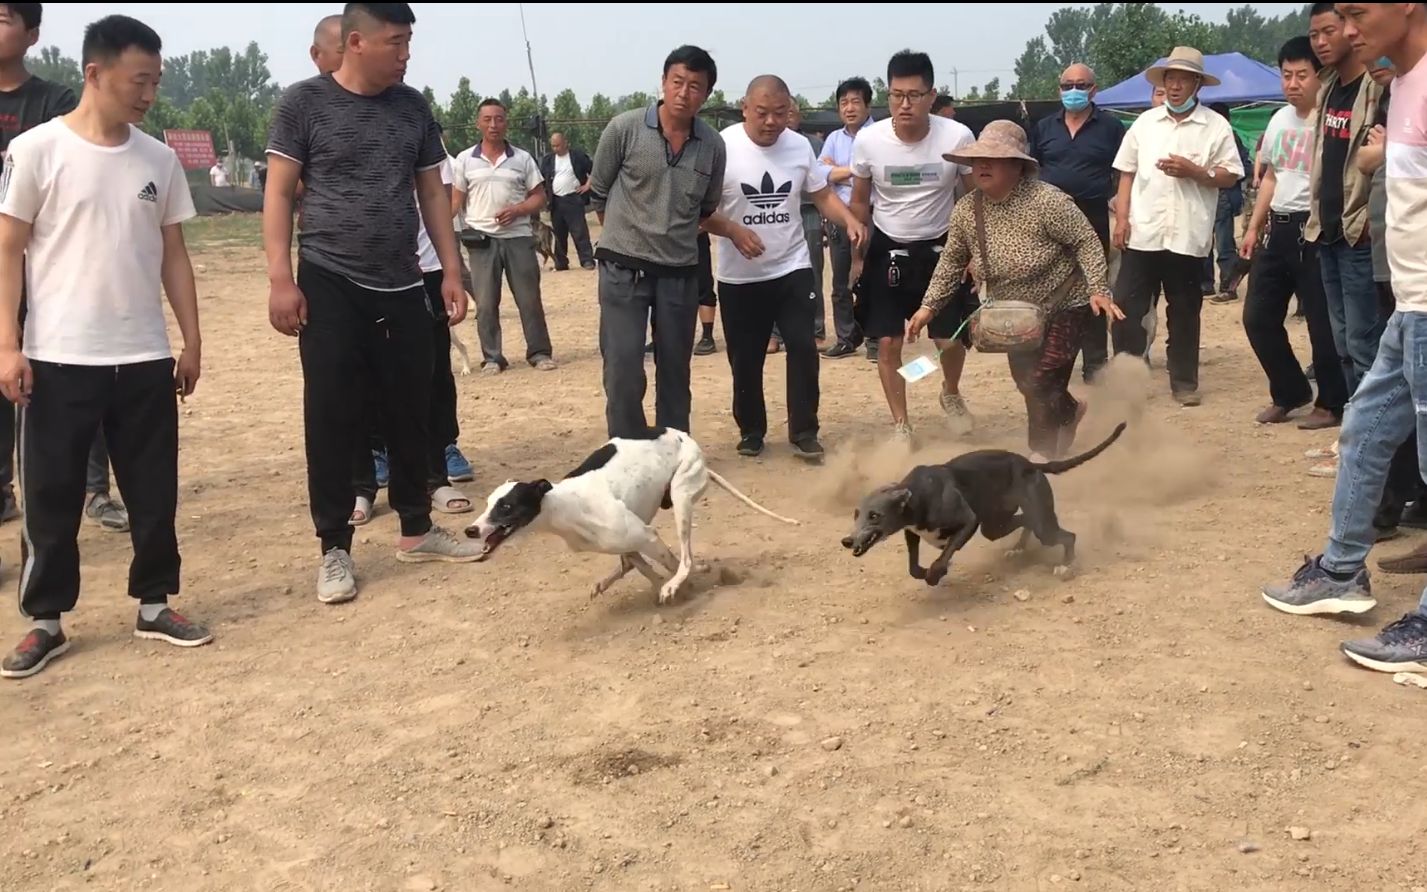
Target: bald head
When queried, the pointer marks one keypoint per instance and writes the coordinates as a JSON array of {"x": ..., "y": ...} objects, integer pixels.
[
  {"x": 769, "y": 84},
  {"x": 558, "y": 144},
  {"x": 327, "y": 44},
  {"x": 1079, "y": 73}
]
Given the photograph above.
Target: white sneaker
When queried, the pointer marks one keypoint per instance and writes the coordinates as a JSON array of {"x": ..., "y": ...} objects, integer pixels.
[
  {"x": 1323, "y": 452},
  {"x": 902, "y": 433},
  {"x": 336, "y": 579},
  {"x": 958, "y": 416}
]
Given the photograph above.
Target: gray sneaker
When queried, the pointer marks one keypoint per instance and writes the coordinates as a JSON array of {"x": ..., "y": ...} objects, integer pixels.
[
  {"x": 1400, "y": 647},
  {"x": 336, "y": 579},
  {"x": 1312, "y": 591},
  {"x": 958, "y": 416},
  {"x": 441, "y": 545}
]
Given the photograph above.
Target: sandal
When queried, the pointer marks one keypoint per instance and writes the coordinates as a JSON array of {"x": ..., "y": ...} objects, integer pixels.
[
  {"x": 448, "y": 500},
  {"x": 362, "y": 512}
]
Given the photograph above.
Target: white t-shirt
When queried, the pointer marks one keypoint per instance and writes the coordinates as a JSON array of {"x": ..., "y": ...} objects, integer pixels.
[
  {"x": 94, "y": 264},
  {"x": 1288, "y": 149},
  {"x": 913, "y": 187},
  {"x": 1406, "y": 190},
  {"x": 565, "y": 182},
  {"x": 763, "y": 190},
  {"x": 218, "y": 176},
  {"x": 425, "y": 251},
  {"x": 491, "y": 188}
]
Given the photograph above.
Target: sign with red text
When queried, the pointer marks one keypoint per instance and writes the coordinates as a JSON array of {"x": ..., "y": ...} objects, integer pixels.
[{"x": 193, "y": 147}]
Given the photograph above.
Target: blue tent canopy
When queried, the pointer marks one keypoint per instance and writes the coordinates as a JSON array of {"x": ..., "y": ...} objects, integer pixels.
[{"x": 1242, "y": 80}]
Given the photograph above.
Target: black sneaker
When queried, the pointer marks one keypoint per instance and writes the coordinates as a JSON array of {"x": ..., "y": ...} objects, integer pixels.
[
  {"x": 1401, "y": 647},
  {"x": 1414, "y": 516},
  {"x": 33, "y": 653},
  {"x": 750, "y": 446},
  {"x": 173, "y": 628},
  {"x": 840, "y": 350},
  {"x": 705, "y": 346},
  {"x": 1312, "y": 591},
  {"x": 808, "y": 449},
  {"x": 871, "y": 351}
]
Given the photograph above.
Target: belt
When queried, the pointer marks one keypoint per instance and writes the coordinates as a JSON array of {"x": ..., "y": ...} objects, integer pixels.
[{"x": 1295, "y": 217}]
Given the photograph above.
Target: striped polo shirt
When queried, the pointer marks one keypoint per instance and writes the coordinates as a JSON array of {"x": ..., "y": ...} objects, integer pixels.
[
  {"x": 1407, "y": 189},
  {"x": 653, "y": 197}
]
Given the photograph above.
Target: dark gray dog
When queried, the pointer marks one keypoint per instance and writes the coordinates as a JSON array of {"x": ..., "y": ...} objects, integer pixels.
[{"x": 993, "y": 490}]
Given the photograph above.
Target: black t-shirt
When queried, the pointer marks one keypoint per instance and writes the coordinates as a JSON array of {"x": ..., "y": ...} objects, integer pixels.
[
  {"x": 1337, "y": 127},
  {"x": 31, "y": 104},
  {"x": 359, "y": 157}
]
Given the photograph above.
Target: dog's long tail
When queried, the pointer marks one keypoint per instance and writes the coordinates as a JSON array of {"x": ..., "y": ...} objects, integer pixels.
[
  {"x": 717, "y": 478},
  {"x": 1060, "y": 467}
]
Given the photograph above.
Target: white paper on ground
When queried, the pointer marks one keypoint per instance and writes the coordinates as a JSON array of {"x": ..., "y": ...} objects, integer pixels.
[{"x": 918, "y": 369}]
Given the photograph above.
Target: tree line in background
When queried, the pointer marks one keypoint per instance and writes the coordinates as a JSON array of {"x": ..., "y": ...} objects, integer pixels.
[{"x": 231, "y": 94}]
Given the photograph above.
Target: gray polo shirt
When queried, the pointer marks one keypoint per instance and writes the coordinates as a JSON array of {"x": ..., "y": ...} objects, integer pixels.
[{"x": 652, "y": 198}]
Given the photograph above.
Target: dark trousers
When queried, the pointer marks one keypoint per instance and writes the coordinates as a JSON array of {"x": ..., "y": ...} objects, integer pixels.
[
  {"x": 628, "y": 300},
  {"x": 1043, "y": 377},
  {"x": 1095, "y": 348},
  {"x": 358, "y": 340},
  {"x": 135, "y": 407},
  {"x": 813, "y": 232},
  {"x": 1285, "y": 266},
  {"x": 444, "y": 428},
  {"x": 840, "y": 251},
  {"x": 1224, "y": 243},
  {"x": 749, "y": 313},
  {"x": 1142, "y": 275},
  {"x": 567, "y": 220},
  {"x": 95, "y": 480}
]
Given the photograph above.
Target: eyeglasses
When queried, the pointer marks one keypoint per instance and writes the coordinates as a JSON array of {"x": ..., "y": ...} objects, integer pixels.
[
  {"x": 910, "y": 97},
  {"x": 1076, "y": 85}
]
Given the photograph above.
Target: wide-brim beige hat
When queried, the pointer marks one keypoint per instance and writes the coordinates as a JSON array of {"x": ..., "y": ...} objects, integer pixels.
[
  {"x": 1182, "y": 58},
  {"x": 999, "y": 139}
]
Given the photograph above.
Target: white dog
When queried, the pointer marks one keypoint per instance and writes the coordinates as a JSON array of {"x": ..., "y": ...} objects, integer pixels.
[{"x": 607, "y": 504}]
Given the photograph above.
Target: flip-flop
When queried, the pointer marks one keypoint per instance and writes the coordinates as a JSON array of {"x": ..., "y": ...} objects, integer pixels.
[
  {"x": 443, "y": 498},
  {"x": 362, "y": 512}
]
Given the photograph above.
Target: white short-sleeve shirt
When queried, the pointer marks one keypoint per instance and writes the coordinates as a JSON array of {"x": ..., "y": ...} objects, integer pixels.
[{"x": 93, "y": 268}]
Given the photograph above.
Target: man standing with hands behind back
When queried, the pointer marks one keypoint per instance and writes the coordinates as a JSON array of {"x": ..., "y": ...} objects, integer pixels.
[
  {"x": 361, "y": 141},
  {"x": 658, "y": 174},
  {"x": 567, "y": 178}
]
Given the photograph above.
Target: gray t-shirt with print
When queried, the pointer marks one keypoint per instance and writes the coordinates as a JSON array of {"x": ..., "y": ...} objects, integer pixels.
[{"x": 359, "y": 157}]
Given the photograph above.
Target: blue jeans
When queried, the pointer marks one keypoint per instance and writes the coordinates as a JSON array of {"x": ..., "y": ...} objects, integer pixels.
[
  {"x": 1223, "y": 243},
  {"x": 1352, "y": 306},
  {"x": 1389, "y": 405}
]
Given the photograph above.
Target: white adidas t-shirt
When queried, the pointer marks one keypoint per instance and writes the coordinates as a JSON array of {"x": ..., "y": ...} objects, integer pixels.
[
  {"x": 94, "y": 264},
  {"x": 913, "y": 187},
  {"x": 1288, "y": 149},
  {"x": 763, "y": 190},
  {"x": 425, "y": 250}
]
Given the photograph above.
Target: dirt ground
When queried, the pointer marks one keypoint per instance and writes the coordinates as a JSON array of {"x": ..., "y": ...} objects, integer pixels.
[{"x": 800, "y": 720}]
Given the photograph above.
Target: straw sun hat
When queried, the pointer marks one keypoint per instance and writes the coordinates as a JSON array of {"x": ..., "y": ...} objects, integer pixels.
[
  {"x": 999, "y": 139},
  {"x": 1182, "y": 58}
]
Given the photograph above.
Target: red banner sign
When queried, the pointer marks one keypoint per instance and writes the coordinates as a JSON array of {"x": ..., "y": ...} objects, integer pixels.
[{"x": 193, "y": 147}]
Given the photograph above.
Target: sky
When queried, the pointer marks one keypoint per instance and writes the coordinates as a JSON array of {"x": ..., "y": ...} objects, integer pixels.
[{"x": 616, "y": 49}]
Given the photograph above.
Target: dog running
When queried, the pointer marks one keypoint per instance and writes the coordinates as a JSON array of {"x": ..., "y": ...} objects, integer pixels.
[
  {"x": 944, "y": 505},
  {"x": 607, "y": 505}
]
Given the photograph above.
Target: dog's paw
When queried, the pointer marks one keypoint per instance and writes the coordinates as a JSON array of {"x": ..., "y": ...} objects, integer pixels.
[
  {"x": 666, "y": 594},
  {"x": 1015, "y": 554},
  {"x": 935, "y": 575},
  {"x": 1063, "y": 571},
  {"x": 918, "y": 572}
]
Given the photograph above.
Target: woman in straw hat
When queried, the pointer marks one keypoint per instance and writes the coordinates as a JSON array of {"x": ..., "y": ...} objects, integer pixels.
[{"x": 1038, "y": 248}]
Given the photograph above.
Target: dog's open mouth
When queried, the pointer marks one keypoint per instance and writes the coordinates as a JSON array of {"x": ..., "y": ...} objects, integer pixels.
[
  {"x": 493, "y": 540},
  {"x": 861, "y": 545}
]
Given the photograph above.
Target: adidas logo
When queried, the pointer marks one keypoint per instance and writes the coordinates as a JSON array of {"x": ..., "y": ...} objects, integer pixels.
[
  {"x": 766, "y": 196},
  {"x": 149, "y": 193}
]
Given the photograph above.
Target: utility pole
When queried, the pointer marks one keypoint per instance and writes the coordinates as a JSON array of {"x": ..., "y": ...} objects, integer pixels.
[
  {"x": 956, "y": 83},
  {"x": 530, "y": 60}
]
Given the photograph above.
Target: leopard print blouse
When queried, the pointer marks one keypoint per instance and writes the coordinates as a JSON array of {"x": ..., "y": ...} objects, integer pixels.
[{"x": 1037, "y": 239}]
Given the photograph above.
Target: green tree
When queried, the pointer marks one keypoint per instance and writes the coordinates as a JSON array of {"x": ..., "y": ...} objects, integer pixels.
[
  {"x": 992, "y": 91},
  {"x": 437, "y": 111},
  {"x": 52, "y": 65},
  {"x": 633, "y": 100},
  {"x": 716, "y": 100},
  {"x": 598, "y": 113},
  {"x": 461, "y": 117}
]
